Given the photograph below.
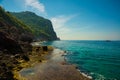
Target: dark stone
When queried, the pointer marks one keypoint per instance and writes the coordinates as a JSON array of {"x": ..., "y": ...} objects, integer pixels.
[
  {"x": 38, "y": 49},
  {"x": 76, "y": 67},
  {"x": 45, "y": 48},
  {"x": 15, "y": 62},
  {"x": 9, "y": 75},
  {"x": 10, "y": 67},
  {"x": 9, "y": 44},
  {"x": 40, "y": 60},
  {"x": 26, "y": 58},
  {"x": 3, "y": 64},
  {"x": 20, "y": 67},
  {"x": 26, "y": 38}
]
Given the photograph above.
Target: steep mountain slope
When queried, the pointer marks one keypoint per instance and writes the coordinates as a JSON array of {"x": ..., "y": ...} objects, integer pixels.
[
  {"x": 12, "y": 30},
  {"x": 15, "y": 38},
  {"x": 41, "y": 27}
]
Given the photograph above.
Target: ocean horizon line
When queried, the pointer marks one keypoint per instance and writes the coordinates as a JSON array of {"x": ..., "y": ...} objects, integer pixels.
[{"x": 90, "y": 40}]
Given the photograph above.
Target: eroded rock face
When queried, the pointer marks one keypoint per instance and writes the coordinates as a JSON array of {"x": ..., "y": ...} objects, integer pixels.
[
  {"x": 9, "y": 44},
  {"x": 11, "y": 31}
]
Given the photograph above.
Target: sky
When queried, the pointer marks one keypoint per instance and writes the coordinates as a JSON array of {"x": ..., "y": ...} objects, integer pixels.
[{"x": 75, "y": 19}]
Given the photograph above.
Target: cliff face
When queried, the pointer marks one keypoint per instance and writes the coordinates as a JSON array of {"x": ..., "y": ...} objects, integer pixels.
[
  {"x": 12, "y": 33},
  {"x": 15, "y": 38},
  {"x": 42, "y": 28}
]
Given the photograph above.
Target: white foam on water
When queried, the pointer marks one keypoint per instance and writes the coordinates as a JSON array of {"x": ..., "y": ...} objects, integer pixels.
[
  {"x": 98, "y": 76},
  {"x": 90, "y": 77}
]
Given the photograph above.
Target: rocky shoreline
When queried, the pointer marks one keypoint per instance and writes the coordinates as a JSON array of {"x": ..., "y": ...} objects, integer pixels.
[
  {"x": 41, "y": 63},
  {"x": 53, "y": 68},
  {"x": 16, "y": 52},
  {"x": 11, "y": 64},
  {"x": 36, "y": 56}
]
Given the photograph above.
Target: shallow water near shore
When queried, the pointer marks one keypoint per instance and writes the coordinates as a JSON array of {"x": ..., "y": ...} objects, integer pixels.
[
  {"x": 100, "y": 59},
  {"x": 27, "y": 71},
  {"x": 55, "y": 68}
]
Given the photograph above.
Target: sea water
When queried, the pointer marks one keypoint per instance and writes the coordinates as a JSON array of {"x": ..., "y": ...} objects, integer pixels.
[{"x": 100, "y": 59}]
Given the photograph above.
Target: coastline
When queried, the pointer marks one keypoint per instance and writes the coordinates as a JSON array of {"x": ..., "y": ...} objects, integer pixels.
[
  {"x": 63, "y": 54},
  {"x": 54, "y": 68}
]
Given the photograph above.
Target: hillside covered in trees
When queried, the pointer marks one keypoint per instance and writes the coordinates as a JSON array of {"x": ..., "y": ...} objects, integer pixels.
[{"x": 42, "y": 28}]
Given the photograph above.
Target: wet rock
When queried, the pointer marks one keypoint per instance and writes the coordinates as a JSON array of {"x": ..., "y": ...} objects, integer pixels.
[{"x": 45, "y": 48}]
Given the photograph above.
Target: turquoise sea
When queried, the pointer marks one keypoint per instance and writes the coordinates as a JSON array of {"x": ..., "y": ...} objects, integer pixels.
[{"x": 100, "y": 59}]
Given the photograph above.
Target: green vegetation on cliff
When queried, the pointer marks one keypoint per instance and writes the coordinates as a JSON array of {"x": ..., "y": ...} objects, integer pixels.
[
  {"x": 42, "y": 28},
  {"x": 15, "y": 37},
  {"x": 7, "y": 18},
  {"x": 12, "y": 31}
]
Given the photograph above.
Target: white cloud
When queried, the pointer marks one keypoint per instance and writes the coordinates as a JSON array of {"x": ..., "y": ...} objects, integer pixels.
[
  {"x": 35, "y": 4},
  {"x": 60, "y": 24}
]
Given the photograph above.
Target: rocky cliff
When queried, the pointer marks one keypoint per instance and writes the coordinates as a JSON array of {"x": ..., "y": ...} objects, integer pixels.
[
  {"x": 16, "y": 36},
  {"x": 14, "y": 42},
  {"x": 42, "y": 28},
  {"x": 13, "y": 32}
]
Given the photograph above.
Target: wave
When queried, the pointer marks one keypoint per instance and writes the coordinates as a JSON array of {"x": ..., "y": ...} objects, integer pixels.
[
  {"x": 85, "y": 74},
  {"x": 97, "y": 76},
  {"x": 101, "y": 58}
]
